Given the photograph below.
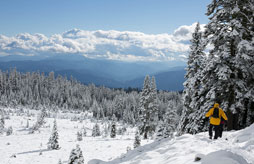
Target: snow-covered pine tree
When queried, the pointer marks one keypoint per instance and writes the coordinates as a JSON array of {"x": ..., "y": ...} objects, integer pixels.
[
  {"x": 153, "y": 106},
  {"x": 96, "y": 130},
  {"x": 40, "y": 121},
  {"x": 193, "y": 78},
  {"x": 227, "y": 78},
  {"x": 53, "y": 140},
  {"x": 79, "y": 136},
  {"x": 148, "y": 107},
  {"x": 137, "y": 140},
  {"x": 76, "y": 156},
  {"x": 113, "y": 129},
  {"x": 144, "y": 103},
  {"x": 171, "y": 120},
  {"x": 160, "y": 130}
]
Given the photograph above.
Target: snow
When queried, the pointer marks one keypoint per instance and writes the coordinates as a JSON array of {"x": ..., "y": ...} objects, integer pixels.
[
  {"x": 184, "y": 150},
  {"x": 27, "y": 147},
  {"x": 235, "y": 147}
]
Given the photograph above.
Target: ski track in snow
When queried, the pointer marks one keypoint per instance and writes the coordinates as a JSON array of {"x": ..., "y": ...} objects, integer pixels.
[{"x": 99, "y": 150}]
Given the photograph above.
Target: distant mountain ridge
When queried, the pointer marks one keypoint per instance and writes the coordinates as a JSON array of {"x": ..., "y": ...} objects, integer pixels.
[{"x": 114, "y": 74}]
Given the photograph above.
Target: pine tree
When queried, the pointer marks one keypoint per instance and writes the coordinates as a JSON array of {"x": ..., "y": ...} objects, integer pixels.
[
  {"x": 40, "y": 121},
  {"x": 170, "y": 120},
  {"x": 193, "y": 80},
  {"x": 153, "y": 107},
  {"x": 53, "y": 140},
  {"x": 137, "y": 140},
  {"x": 113, "y": 129},
  {"x": 228, "y": 77},
  {"x": 96, "y": 130},
  {"x": 160, "y": 130},
  {"x": 76, "y": 156},
  {"x": 148, "y": 107},
  {"x": 79, "y": 136}
]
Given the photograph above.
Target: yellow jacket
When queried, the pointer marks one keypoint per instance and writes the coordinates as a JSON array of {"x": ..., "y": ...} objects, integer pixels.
[{"x": 216, "y": 121}]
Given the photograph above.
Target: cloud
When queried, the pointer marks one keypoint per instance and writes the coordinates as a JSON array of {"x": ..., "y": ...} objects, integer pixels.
[
  {"x": 111, "y": 45},
  {"x": 184, "y": 33}
]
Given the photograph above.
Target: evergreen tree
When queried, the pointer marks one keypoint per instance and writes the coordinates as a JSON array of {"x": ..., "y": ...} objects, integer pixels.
[
  {"x": 160, "y": 130},
  {"x": 137, "y": 140},
  {"x": 227, "y": 77},
  {"x": 193, "y": 80},
  {"x": 76, "y": 156},
  {"x": 79, "y": 136},
  {"x": 40, "y": 121},
  {"x": 170, "y": 120},
  {"x": 113, "y": 129},
  {"x": 153, "y": 107},
  {"x": 96, "y": 130},
  {"x": 148, "y": 107},
  {"x": 53, "y": 140}
]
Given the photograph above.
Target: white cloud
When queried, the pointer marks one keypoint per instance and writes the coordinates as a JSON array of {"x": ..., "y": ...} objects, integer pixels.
[{"x": 113, "y": 45}]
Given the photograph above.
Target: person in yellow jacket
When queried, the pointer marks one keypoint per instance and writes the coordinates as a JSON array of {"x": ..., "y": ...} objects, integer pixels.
[{"x": 215, "y": 114}]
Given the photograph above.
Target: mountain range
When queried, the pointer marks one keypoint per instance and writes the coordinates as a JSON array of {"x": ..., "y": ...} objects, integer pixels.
[{"x": 110, "y": 73}]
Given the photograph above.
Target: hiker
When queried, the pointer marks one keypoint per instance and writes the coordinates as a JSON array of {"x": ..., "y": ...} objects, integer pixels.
[{"x": 215, "y": 114}]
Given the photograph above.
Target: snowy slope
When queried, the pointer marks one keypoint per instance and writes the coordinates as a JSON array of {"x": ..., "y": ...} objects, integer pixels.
[{"x": 237, "y": 149}]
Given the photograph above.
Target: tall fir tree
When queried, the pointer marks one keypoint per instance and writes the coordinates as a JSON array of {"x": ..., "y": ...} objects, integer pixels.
[
  {"x": 227, "y": 76},
  {"x": 192, "y": 84},
  {"x": 53, "y": 140},
  {"x": 148, "y": 107},
  {"x": 154, "y": 105},
  {"x": 76, "y": 156}
]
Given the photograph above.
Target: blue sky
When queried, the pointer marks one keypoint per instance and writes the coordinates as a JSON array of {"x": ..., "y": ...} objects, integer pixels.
[{"x": 57, "y": 16}]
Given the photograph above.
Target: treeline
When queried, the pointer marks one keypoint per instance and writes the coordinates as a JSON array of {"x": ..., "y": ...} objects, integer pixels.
[{"x": 36, "y": 90}]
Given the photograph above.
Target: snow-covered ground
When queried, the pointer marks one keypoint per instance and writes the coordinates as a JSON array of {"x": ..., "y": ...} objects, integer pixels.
[
  {"x": 235, "y": 147},
  {"x": 27, "y": 147}
]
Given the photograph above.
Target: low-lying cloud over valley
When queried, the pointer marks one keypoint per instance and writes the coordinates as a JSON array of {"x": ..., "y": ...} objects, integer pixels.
[{"x": 112, "y": 45}]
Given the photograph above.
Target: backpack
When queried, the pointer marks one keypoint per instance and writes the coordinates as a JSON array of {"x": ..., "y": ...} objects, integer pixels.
[{"x": 215, "y": 113}]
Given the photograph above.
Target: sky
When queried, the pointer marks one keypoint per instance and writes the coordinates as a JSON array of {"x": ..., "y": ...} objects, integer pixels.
[
  {"x": 57, "y": 16},
  {"x": 126, "y": 30}
]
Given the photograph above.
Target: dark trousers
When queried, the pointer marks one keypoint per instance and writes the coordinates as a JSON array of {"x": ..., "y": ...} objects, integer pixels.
[
  {"x": 221, "y": 130},
  {"x": 216, "y": 129}
]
